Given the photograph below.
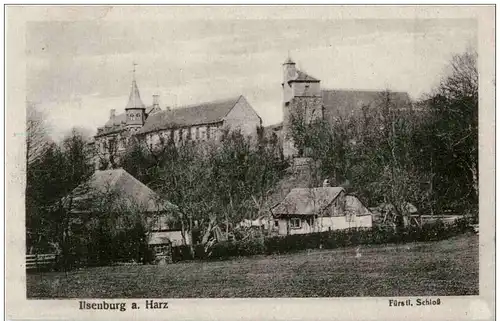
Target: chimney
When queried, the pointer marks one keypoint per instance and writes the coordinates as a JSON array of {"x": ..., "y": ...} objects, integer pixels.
[
  {"x": 156, "y": 100},
  {"x": 112, "y": 114}
]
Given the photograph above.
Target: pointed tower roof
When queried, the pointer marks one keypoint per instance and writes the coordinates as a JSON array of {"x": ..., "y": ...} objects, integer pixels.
[
  {"x": 134, "y": 100},
  {"x": 289, "y": 61}
]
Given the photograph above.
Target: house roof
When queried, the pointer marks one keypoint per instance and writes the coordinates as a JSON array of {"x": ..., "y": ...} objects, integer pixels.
[
  {"x": 134, "y": 99},
  {"x": 204, "y": 113},
  {"x": 307, "y": 201},
  {"x": 303, "y": 77},
  {"x": 343, "y": 103},
  {"x": 115, "y": 188},
  {"x": 353, "y": 205}
]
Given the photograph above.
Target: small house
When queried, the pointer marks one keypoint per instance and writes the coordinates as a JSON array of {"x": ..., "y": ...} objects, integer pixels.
[
  {"x": 308, "y": 210},
  {"x": 116, "y": 192}
]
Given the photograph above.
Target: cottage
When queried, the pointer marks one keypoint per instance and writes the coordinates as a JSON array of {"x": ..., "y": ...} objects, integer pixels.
[
  {"x": 308, "y": 210},
  {"x": 116, "y": 191}
]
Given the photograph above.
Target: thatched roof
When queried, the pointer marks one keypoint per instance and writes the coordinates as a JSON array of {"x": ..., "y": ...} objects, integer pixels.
[
  {"x": 354, "y": 206},
  {"x": 115, "y": 188},
  {"x": 307, "y": 201}
]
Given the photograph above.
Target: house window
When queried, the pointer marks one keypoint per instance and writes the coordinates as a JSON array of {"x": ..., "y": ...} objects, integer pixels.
[
  {"x": 276, "y": 223},
  {"x": 350, "y": 217},
  {"x": 197, "y": 133},
  {"x": 161, "y": 249},
  {"x": 295, "y": 223},
  {"x": 208, "y": 132}
]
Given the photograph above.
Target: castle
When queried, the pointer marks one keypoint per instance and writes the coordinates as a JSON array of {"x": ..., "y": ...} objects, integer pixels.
[
  {"x": 195, "y": 123},
  {"x": 302, "y": 97}
]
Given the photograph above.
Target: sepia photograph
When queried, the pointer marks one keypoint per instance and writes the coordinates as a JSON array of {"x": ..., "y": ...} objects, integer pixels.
[{"x": 251, "y": 156}]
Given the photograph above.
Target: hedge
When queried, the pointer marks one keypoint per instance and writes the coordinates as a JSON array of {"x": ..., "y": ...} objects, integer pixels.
[{"x": 325, "y": 240}]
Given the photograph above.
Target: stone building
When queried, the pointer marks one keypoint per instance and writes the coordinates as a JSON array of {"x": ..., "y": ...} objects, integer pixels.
[
  {"x": 306, "y": 101},
  {"x": 202, "y": 122}
]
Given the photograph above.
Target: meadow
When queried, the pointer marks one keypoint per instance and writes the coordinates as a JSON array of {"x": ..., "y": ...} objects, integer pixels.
[{"x": 448, "y": 267}]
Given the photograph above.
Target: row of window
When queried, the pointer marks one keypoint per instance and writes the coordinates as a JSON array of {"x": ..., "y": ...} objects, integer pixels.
[
  {"x": 134, "y": 116},
  {"x": 296, "y": 223},
  {"x": 193, "y": 133}
]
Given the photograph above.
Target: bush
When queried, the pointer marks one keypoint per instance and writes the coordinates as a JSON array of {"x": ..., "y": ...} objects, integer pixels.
[
  {"x": 181, "y": 253},
  {"x": 327, "y": 240}
]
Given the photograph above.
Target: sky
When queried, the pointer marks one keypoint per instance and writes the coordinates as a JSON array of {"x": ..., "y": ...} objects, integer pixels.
[{"x": 78, "y": 70}]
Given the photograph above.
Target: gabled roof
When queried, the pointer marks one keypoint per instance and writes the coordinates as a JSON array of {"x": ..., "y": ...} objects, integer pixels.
[
  {"x": 303, "y": 77},
  {"x": 113, "y": 189},
  {"x": 342, "y": 103},
  {"x": 204, "y": 113},
  {"x": 354, "y": 206},
  {"x": 134, "y": 100},
  {"x": 307, "y": 201}
]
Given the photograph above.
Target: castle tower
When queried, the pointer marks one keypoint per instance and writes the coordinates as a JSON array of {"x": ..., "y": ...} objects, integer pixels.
[
  {"x": 302, "y": 103},
  {"x": 135, "y": 109}
]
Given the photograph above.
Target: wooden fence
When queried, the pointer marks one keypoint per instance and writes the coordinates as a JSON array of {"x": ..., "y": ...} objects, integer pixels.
[{"x": 40, "y": 261}]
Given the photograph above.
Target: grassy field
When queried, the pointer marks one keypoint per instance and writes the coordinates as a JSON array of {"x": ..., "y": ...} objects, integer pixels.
[{"x": 447, "y": 267}]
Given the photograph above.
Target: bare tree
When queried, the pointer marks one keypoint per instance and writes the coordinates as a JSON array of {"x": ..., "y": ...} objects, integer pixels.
[
  {"x": 37, "y": 139},
  {"x": 456, "y": 104}
]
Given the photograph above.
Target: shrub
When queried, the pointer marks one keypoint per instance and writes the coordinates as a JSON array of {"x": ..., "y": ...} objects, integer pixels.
[
  {"x": 327, "y": 240},
  {"x": 181, "y": 253}
]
